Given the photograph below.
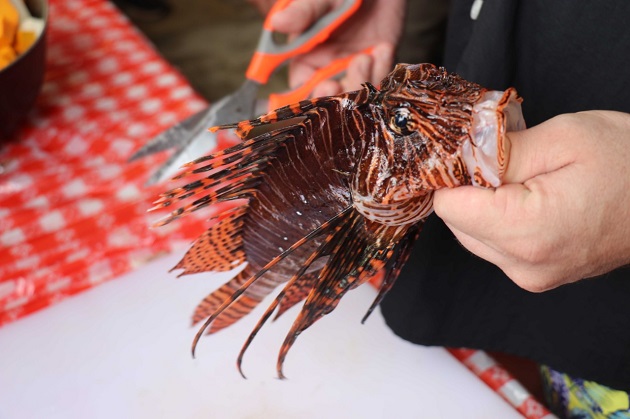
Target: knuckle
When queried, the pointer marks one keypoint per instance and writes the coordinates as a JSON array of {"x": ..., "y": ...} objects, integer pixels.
[
  {"x": 567, "y": 121},
  {"x": 532, "y": 281},
  {"x": 536, "y": 253},
  {"x": 530, "y": 253}
]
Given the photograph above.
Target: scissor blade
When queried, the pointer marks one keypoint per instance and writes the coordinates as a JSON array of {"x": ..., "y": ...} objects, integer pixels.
[
  {"x": 237, "y": 106},
  {"x": 193, "y": 141},
  {"x": 173, "y": 137},
  {"x": 197, "y": 146}
]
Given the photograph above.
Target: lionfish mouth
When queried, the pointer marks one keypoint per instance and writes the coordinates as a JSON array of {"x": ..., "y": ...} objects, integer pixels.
[
  {"x": 487, "y": 154},
  {"x": 327, "y": 192}
]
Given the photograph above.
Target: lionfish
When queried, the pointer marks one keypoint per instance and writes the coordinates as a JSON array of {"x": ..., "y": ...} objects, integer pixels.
[{"x": 335, "y": 191}]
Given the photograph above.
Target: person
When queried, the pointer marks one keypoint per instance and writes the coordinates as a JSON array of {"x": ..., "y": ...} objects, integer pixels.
[{"x": 558, "y": 228}]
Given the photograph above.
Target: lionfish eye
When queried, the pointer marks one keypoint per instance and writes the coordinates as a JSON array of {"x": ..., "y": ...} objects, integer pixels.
[{"x": 401, "y": 122}]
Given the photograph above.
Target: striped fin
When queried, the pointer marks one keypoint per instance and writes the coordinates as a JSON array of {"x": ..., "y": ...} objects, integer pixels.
[
  {"x": 295, "y": 180},
  {"x": 242, "y": 189},
  {"x": 297, "y": 292},
  {"x": 219, "y": 249},
  {"x": 272, "y": 263},
  {"x": 233, "y": 174},
  {"x": 300, "y": 283},
  {"x": 355, "y": 258},
  {"x": 241, "y": 307},
  {"x": 395, "y": 265},
  {"x": 284, "y": 113},
  {"x": 262, "y": 145}
]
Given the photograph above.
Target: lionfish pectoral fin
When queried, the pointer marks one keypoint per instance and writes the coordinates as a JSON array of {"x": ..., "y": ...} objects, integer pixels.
[
  {"x": 252, "y": 335},
  {"x": 297, "y": 292},
  {"x": 293, "y": 282},
  {"x": 237, "y": 293},
  {"x": 218, "y": 249},
  {"x": 240, "y": 308},
  {"x": 313, "y": 311},
  {"x": 295, "y": 287},
  {"x": 394, "y": 265},
  {"x": 354, "y": 259}
]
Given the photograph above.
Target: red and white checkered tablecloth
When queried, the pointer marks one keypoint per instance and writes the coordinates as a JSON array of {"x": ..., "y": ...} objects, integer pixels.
[{"x": 72, "y": 210}]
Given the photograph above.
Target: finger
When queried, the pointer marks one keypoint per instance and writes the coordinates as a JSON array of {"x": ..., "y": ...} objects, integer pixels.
[
  {"x": 530, "y": 278},
  {"x": 369, "y": 67},
  {"x": 327, "y": 88},
  {"x": 300, "y": 14},
  {"x": 383, "y": 61},
  {"x": 477, "y": 247},
  {"x": 483, "y": 213},
  {"x": 359, "y": 71},
  {"x": 300, "y": 71}
]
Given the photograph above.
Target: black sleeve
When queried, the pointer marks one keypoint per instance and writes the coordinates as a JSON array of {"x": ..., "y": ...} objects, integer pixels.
[{"x": 562, "y": 56}]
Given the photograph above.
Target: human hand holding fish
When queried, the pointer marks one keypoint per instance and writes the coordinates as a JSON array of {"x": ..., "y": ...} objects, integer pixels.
[{"x": 563, "y": 212}]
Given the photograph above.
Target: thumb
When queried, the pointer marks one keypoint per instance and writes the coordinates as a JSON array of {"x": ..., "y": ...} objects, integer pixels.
[
  {"x": 539, "y": 150},
  {"x": 533, "y": 152}
]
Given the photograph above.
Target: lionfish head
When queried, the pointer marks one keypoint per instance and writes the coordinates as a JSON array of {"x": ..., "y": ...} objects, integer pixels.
[
  {"x": 430, "y": 129},
  {"x": 439, "y": 130}
]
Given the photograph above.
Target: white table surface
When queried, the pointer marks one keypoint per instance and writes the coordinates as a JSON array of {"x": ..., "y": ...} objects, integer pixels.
[{"x": 122, "y": 350}]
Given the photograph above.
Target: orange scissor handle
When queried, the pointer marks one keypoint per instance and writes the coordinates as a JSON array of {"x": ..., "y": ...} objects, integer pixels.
[
  {"x": 270, "y": 55},
  {"x": 332, "y": 70}
]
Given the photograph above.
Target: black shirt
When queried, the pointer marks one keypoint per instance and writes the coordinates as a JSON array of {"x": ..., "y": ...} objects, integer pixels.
[{"x": 562, "y": 56}]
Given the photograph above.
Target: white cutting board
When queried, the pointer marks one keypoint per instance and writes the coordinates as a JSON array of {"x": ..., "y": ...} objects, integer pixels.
[{"x": 122, "y": 350}]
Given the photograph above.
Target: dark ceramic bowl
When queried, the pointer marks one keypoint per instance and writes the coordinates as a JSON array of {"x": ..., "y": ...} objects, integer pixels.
[{"x": 21, "y": 81}]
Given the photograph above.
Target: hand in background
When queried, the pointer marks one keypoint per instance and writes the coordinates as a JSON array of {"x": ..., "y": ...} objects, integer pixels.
[
  {"x": 563, "y": 212},
  {"x": 377, "y": 23},
  {"x": 263, "y": 6}
]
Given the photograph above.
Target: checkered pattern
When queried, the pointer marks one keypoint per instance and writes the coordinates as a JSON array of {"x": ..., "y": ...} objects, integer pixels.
[
  {"x": 502, "y": 382},
  {"x": 72, "y": 210}
]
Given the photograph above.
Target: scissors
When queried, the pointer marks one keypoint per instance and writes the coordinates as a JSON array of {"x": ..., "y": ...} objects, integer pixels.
[{"x": 191, "y": 138}]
